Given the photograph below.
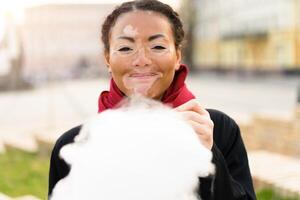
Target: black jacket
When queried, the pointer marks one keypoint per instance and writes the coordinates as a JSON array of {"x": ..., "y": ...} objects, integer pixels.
[{"x": 232, "y": 180}]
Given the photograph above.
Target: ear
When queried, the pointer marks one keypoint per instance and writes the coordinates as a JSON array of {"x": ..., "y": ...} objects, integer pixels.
[
  {"x": 107, "y": 60},
  {"x": 178, "y": 59}
]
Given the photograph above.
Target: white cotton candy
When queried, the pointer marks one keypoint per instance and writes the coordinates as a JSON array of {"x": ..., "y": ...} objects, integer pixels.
[{"x": 142, "y": 151}]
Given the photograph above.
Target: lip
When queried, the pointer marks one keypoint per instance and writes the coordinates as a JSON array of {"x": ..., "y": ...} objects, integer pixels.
[
  {"x": 143, "y": 75},
  {"x": 141, "y": 81}
]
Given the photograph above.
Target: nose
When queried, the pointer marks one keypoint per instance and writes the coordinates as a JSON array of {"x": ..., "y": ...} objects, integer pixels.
[{"x": 142, "y": 59}]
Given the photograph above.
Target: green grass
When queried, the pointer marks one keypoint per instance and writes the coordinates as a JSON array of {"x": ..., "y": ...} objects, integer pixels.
[
  {"x": 24, "y": 173},
  {"x": 269, "y": 194}
]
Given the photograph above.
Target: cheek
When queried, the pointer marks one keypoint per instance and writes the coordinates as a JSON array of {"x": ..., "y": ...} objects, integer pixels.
[
  {"x": 169, "y": 59},
  {"x": 168, "y": 63},
  {"x": 118, "y": 65}
]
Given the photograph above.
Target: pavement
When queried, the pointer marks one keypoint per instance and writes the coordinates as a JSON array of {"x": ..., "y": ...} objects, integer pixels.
[
  {"x": 47, "y": 111},
  {"x": 275, "y": 170}
]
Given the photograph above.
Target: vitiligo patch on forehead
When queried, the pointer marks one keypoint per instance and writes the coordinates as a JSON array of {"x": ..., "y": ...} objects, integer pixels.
[
  {"x": 130, "y": 31},
  {"x": 149, "y": 12}
]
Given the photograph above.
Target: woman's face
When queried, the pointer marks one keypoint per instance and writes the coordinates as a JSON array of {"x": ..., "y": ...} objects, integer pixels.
[{"x": 142, "y": 57}]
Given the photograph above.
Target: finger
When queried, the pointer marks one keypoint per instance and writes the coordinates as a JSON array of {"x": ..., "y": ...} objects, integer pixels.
[
  {"x": 187, "y": 106},
  {"x": 192, "y": 105},
  {"x": 200, "y": 129},
  {"x": 204, "y": 133},
  {"x": 206, "y": 141},
  {"x": 196, "y": 117}
]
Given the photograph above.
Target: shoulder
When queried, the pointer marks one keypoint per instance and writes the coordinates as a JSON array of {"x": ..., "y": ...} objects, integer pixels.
[
  {"x": 58, "y": 168},
  {"x": 66, "y": 138},
  {"x": 220, "y": 117}
]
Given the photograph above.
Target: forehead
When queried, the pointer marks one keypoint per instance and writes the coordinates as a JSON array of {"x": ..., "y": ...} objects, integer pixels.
[{"x": 145, "y": 23}]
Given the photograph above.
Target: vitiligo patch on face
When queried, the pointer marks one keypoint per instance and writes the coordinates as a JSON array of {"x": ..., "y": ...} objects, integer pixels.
[
  {"x": 130, "y": 31},
  {"x": 141, "y": 82},
  {"x": 149, "y": 12}
]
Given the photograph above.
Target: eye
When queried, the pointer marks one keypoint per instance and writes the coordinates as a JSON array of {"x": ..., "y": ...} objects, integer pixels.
[
  {"x": 125, "y": 49},
  {"x": 158, "y": 47}
]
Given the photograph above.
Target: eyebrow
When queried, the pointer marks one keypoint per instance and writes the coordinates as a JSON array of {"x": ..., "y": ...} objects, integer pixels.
[
  {"x": 126, "y": 38},
  {"x": 153, "y": 37}
]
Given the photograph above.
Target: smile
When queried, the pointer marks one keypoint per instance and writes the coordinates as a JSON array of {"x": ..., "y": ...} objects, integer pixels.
[{"x": 143, "y": 75}]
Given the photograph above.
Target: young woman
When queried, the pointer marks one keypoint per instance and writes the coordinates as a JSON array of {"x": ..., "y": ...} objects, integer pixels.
[{"x": 142, "y": 48}]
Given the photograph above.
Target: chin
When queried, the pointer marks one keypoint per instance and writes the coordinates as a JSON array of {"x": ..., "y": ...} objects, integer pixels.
[
  {"x": 141, "y": 151},
  {"x": 154, "y": 96}
]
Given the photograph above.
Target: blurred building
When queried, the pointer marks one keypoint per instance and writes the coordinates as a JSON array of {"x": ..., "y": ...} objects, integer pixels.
[
  {"x": 10, "y": 54},
  {"x": 63, "y": 41},
  {"x": 248, "y": 34}
]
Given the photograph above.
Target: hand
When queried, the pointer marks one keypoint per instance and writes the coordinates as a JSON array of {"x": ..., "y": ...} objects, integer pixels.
[{"x": 199, "y": 119}]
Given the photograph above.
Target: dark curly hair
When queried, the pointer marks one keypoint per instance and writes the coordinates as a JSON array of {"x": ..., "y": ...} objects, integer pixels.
[{"x": 146, "y": 5}]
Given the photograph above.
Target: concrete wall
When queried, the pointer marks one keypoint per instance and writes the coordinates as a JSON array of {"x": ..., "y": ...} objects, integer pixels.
[{"x": 273, "y": 134}]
